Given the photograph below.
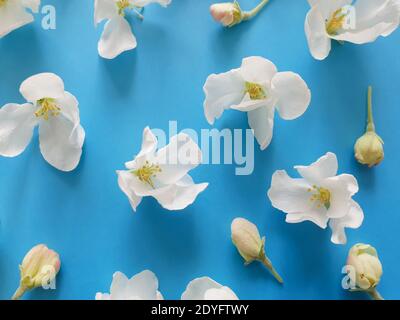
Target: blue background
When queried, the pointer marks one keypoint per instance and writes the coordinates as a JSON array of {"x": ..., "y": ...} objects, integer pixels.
[{"x": 86, "y": 218}]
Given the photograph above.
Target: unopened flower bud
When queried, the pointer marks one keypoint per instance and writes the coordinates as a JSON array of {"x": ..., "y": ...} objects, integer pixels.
[
  {"x": 228, "y": 14},
  {"x": 247, "y": 239},
  {"x": 38, "y": 269},
  {"x": 368, "y": 149},
  {"x": 366, "y": 269}
]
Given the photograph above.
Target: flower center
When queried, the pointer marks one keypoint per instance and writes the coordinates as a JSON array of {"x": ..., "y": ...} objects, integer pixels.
[
  {"x": 122, "y": 5},
  {"x": 320, "y": 195},
  {"x": 147, "y": 172},
  {"x": 47, "y": 108},
  {"x": 3, "y": 2},
  {"x": 335, "y": 23},
  {"x": 255, "y": 91}
]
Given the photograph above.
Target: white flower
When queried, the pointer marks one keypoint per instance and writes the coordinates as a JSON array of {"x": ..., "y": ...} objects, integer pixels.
[
  {"x": 207, "y": 289},
  {"x": 117, "y": 36},
  {"x": 143, "y": 286},
  {"x": 56, "y": 113},
  {"x": 13, "y": 14},
  {"x": 340, "y": 20},
  {"x": 163, "y": 174},
  {"x": 258, "y": 89},
  {"x": 319, "y": 196}
]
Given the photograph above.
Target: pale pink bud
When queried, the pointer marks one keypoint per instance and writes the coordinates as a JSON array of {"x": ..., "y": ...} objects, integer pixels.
[
  {"x": 39, "y": 268},
  {"x": 228, "y": 14}
]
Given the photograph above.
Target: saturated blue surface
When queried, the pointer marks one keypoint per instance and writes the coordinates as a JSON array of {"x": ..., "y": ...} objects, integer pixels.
[{"x": 87, "y": 219}]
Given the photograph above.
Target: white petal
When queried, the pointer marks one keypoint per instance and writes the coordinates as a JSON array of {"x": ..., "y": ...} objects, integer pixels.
[
  {"x": 143, "y": 285},
  {"x": 374, "y": 18},
  {"x": 292, "y": 93},
  {"x": 16, "y": 128},
  {"x": 341, "y": 188},
  {"x": 317, "y": 216},
  {"x": 257, "y": 70},
  {"x": 261, "y": 121},
  {"x": 102, "y": 296},
  {"x": 328, "y": 7},
  {"x": 142, "y": 3},
  {"x": 159, "y": 296},
  {"x": 317, "y": 37},
  {"x": 223, "y": 293},
  {"x": 104, "y": 10},
  {"x": 42, "y": 85},
  {"x": 69, "y": 106},
  {"x": 176, "y": 159},
  {"x": 324, "y": 167},
  {"x": 197, "y": 288},
  {"x": 116, "y": 38},
  {"x": 180, "y": 195},
  {"x": 353, "y": 220},
  {"x": 126, "y": 181},
  {"x": 13, "y": 16},
  {"x": 247, "y": 104},
  {"x": 118, "y": 286},
  {"x": 61, "y": 139},
  {"x": 222, "y": 91},
  {"x": 149, "y": 147},
  {"x": 32, "y": 4},
  {"x": 292, "y": 196},
  {"x": 313, "y": 2}
]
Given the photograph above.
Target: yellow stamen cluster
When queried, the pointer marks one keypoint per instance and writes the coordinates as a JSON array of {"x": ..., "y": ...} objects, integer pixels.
[
  {"x": 255, "y": 91},
  {"x": 320, "y": 195},
  {"x": 335, "y": 23},
  {"x": 147, "y": 172},
  {"x": 122, "y": 5},
  {"x": 3, "y": 2},
  {"x": 47, "y": 108}
]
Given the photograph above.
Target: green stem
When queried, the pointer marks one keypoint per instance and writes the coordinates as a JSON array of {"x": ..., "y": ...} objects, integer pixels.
[
  {"x": 375, "y": 295},
  {"x": 370, "y": 122},
  {"x": 247, "y": 15},
  {"x": 19, "y": 293},
  {"x": 267, "y": 263}
]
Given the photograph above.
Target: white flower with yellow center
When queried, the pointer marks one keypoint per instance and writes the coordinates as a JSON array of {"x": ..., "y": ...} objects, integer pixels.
[
  {"x": 320, "y": 196},
  {"x": 258, "y": 89},
  {"x": 117, "y": 36},
  {"x": 14, "y": 14},
  {"x": 143, "y": 286},
  {"x": 206, "y": 288},
  {"x": 56, "y": 113},
  {"x": 359, "y": 22},
  {"x": 163, "y": 174}
]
